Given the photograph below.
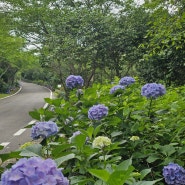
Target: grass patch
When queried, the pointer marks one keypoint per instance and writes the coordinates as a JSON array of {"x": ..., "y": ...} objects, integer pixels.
[
  {"x": 12, "y": 92},
  {"x": 3, "y": 95}
]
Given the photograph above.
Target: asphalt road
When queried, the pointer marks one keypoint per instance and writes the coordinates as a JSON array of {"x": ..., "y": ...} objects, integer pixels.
[{"x": 14, "y": 115}]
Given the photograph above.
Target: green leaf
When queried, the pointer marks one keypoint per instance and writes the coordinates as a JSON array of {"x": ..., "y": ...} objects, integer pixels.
[
  {"x": 90, "y": 131},
  {"x": 168, "y": 150},
  {"x": 181, "y": 150},
  {"x": 33, "y": 150},
  {"x": 124, "y": 165},
  {"x": 1, "y": 147},
  {"x": 58, "y": 150},
  {"x": 55, "y": 102},
  {"x": 119, "y": 177},
  {"x": 101, "y": 174},
  {"x": 60, "y": 160},
  {"x": 100, "y": 182},
  {"x": 153, "y": 158},
  {"x": 96, "y": 130},
  {"x": 6, "y": 156},
  {"x": 35, "y": 114},
  {"x": 144, "y": 173},
  {"x": 79, "y": 141},
  {"x": 147, "y": 182},
  {"x": 80, "y": 180},
  {"x": 116, "y": 133}
]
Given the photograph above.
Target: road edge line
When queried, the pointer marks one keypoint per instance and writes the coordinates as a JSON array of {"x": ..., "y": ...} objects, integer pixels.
[{"x": 12, "y": 94}]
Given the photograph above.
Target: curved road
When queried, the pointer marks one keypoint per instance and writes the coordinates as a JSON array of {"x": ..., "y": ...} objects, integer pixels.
[{"x": 14, "y": 115}]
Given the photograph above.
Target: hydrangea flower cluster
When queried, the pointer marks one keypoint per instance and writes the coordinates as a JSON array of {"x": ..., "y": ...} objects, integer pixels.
[
  {"x": 34, "y": 171},
  {"x": 153, "y": 90},
  {"x": 76, "y": 133},
  {"x": 127, "y": 80},
  {"x": 134, "y": 138},
  {"x": 73, "y": 81},
  {"x": 101, "y": 141},
  {"x": 68, "y": 120},
  {"x": 97, "y": 112},
  {"x": 79, "y": 92},
  {"x": 44, "y": 129},
  {"x": 174, "y": 174},
  {"x": 115, "y": 88}
]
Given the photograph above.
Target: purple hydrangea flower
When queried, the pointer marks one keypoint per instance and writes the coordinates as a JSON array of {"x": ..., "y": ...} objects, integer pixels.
[
  {"x": 97, "y": 112},
  {"x": 76, "y": 133},
  {"x": 115, "y": 88},
  {"x": 127, "y": 80},
  {"x": 34, "y": 170},
  {"x": 153, "y": 90},
  {"x": 73, "y": 81},
  {"x": 174, "y": 174},
  {"x": 44, "y": 129}
]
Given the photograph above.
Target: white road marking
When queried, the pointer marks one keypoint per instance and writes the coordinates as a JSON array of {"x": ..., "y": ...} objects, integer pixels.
[
  {"x": 45, "y": 106},
  {"x": 32, "y": 122},
  {"x": 5, "y": 144},
  {"x": 19, "y": 132}
]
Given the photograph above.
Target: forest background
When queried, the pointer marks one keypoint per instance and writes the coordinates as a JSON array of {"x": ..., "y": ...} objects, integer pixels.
[{"x": 46, "y": 41}]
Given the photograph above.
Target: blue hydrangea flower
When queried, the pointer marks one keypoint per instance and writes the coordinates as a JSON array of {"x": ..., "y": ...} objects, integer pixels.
[
  {"x": 97, "y": 112},
  {"x": 115, "y": 88},
  {"x": 153, "y": 90},
  {"x": 73, "y": 81},
  {"x": 76, "y": 133},
  {"x": 174, "y": 174},
  {"x": 127, "y": 80},
  {"x": 34, "y": 170},
  {"x": 44, "y": 129}
]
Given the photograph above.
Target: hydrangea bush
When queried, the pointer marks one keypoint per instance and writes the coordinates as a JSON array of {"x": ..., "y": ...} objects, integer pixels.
[
  {"x": 73, "y": 81},
  {"x": 115, "y": 88},
  {"x": 127, "y": 80},
  {"x": 174, "y": 174},
  {"x": 136, "y": 140},
  {"x": 34, "y": 170},
  {"x": 44, "y": 129},
  {"x": 153, "y": 90},
  {"x": 101, "y": 142},
  {"x": 97, "y": 112}
]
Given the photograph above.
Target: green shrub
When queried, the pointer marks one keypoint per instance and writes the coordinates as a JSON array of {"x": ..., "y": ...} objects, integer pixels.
[{"x": 145, "y": 134}]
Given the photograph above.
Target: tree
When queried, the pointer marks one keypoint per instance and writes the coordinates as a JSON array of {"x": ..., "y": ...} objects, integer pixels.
[
  {"x": 82, "y": 37},
  {"x": 164, "y": 58}
]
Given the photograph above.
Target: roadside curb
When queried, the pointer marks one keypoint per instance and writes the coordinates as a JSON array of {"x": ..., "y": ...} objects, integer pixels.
[{"x": 12, "y": 94}]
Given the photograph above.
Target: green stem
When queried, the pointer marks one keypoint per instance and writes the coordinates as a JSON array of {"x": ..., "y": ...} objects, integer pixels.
[{"x": 150, "y": 107}]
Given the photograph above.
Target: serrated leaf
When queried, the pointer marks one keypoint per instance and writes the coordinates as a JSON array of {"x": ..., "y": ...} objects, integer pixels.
[
  {"x": 90, "y": 131},
  {"x": 96, "y": 130},
  {"x": 168, "y": 150},
  {"x": 35, "y": 115},
  {"x": 144, "y": 173},
  {"x": 147, "y": 182},
  {"x": 116, "y": 133},
  {"x": 1, "y": 147},
  {"x": 124, "y": 165},
  {"x": 60, "y": 160},
  {"x": 101, "y": 174},
  {"x": 152, "y": 158},
  {"x": 79, "y": 180},
  {"x": 119, "y": 177},
  {"x": 31, "y": 151}
]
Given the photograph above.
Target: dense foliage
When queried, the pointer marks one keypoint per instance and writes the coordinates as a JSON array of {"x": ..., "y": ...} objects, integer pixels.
[
  {"x": 100, "y": 39},
  {"x": 132, "y": 142}
]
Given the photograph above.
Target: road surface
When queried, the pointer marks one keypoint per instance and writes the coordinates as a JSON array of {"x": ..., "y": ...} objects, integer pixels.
[{"x": 14, "y": 115}]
